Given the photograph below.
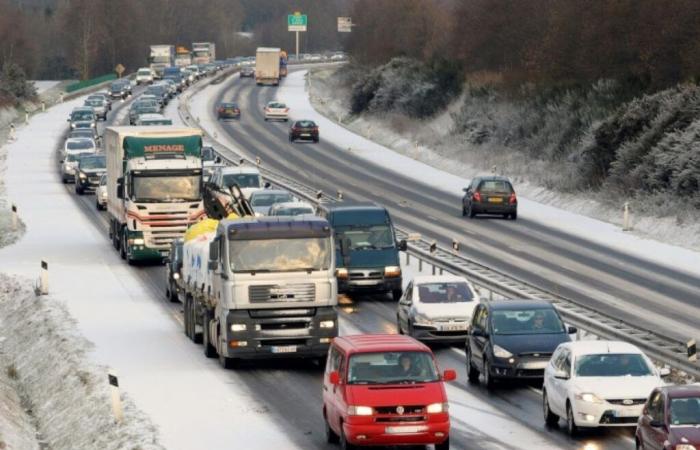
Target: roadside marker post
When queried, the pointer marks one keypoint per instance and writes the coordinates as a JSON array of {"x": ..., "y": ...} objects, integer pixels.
[
  {"x": 692, "y": 350},
  {"x": 626, "y": 217},
  {"x": 12, "y": 132},
  {"x": 14, "y": 218},
  {"x": 116, "y": 398},
  {"x": 44, "y": 278}
]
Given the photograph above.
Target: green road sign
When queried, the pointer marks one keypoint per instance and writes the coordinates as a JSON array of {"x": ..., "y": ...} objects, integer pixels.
[{"x": 296, "y": 22}]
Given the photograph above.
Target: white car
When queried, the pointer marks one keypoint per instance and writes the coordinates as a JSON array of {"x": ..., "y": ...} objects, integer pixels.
[
  {"x": 69, "y": 164},
  {"x": 598, "y": 384},
  {"x": 437, "y": 308},
  {"x": 291, "y": 209},
  {"x": 276, "y": 111},
  {"x": 145, "y": 75},
  {"x": 101, "y": 193},
  {"x": 248, "y": 178},
  {"x": 152, "y": 119},
  {"x": 79, "y": 145}
]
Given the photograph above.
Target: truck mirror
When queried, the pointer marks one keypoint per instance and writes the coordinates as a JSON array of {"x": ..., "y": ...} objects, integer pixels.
[
  {"x": 120, "y": 187},
  {"x": 214, "y": 250},
  {"x": 403, "y": 245}
]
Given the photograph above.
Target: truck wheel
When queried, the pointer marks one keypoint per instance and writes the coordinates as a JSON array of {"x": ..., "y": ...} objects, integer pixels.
[
  {"x": 186, "y": 316},
  {"x": 209, "y": 350},
  {"x": 122, "y": 244},
  {"x": 172, "y": 293},
  {"x": 227, "y": 363}
]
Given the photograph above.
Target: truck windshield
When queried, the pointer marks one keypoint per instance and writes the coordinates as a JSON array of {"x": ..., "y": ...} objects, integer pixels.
[
  {"x": 166, "y": 188},
  {"x": 280, "y": 255},
  {"x": 201, "y": 53},
  {"x": 391, "y": 368},
  {"x": 362, "y": 237}
]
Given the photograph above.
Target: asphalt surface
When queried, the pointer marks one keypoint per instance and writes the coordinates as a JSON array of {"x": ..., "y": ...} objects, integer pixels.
[{"x": 291, "y": 390}]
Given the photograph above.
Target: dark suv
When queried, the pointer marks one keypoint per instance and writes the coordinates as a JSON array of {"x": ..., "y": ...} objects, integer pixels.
[
  {"x": 490, "y": 195},
  {"x": 513, "y": 339}
]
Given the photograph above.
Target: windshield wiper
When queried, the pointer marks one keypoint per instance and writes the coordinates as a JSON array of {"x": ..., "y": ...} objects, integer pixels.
[
  {"x": 403, "y": 381},
  {"x": 365, "y": 382}
]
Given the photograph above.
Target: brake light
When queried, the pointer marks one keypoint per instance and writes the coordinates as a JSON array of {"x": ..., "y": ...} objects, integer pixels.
[
  {"x": 314, "y": 129},
  {"x": 512, "y": 199},
  {"x": 476, "y": 197}
]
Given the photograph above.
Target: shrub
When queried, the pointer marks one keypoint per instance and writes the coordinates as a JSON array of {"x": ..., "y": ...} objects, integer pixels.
[{"x": 14, "y": 87}]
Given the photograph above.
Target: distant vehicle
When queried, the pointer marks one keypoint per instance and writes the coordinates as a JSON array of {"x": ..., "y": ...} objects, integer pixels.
[
  {"x": 276, "y": 111},
  {"x": 513, "y": 339},
  {"x": 161, "y": 92},
  {"x": 82, "y": 117},
  {"x": 105, "y": 96},
  {"x": 385, "y": 390},
  {"x": 73, "y": 149},
  {"x": 247, "y": 72},
  {"x": 151, "y": 119},
  {"x": 98, "y": 105},
  {"x": 203, "y": 52},
  {"x": 145, "y": 75},
  {"x": 291, "y": 209},
  {"x": 161, "y": 56},
  {"x": 68, "y": 164},
  {"x": 87, "y": 133},
  {"x": 183, "y": 57},
  {"x": 174, "y": 87},
  {"x": 267, "y": 66},
  {"x": 338, "y": 57},
  {"x": 490, "y": 195},
  {"x": 598, "y": 384},
  {"x": 262, "y": 200},
  {"x": 304, "y": 129},
  {"x": 437, "y": 308},
  {"x": 367, "y": 251},
  {"x": 174, "y": 283},
  {"x": 174, "y": 74},
  {"x": 283, "y": 63},
  {"x": 194, "y": 68},
  {"x": 189, "y": 76},
  {"x": 101, "y": 194},
  {"x": 138, "y": 108},
  {"x": 228, "y": 110},
  {"x": 88, "y": 172},
  {"x": 120, "y": 88},
  {"x": 79, "y": 145},
  {"x": 670, "y": 419},
  {"x": 246, "y": 177}
]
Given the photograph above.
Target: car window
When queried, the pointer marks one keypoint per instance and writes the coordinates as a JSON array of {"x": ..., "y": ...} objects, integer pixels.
[
  {"x": 526, "y": 321},
  {"x": 483, "y": 319},
  {"x": 392, "y": 368},
  {"x": 276, "y": 105},
  {"x": 685, "y": 411},
  {"x": 305, "y": 124},
  {"x": 244, "y": 180},
  {"x": 656, "y": 406},
  {"x": 334, "y": 360},
  {"x": 566, "y": 363},
  {"x": 265, "y": 199},
  {"x": 445, "y": 292},
  {"x": 612, "y": 365},
  {"x": 495, "y": 186},
  {"x": 557, "y": 358},
  {"x": 408, "y": 293}
]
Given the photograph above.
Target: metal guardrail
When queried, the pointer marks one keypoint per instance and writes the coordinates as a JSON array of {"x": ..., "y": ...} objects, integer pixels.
[{"x": 658, "y": 347}]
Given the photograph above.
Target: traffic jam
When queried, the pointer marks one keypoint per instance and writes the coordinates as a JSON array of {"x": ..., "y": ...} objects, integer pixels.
[{"x": 259, "y": 270}]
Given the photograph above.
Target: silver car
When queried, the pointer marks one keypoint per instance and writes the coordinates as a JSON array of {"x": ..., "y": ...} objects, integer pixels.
[
  {"x": 101, "y": 194},
  {"x": 98, "y": 105}
]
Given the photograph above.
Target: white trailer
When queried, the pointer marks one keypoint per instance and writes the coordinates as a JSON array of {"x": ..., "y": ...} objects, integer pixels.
[
  {"x": 267, "y": 66},
  {"x": 161, "y": 56},
  {"x": 203, "y": 52}
]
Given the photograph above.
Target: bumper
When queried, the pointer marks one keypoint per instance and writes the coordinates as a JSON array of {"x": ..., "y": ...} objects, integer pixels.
[
  {"x": 87, "y": 184},
  {"x": 433, "y": 334},
  {"x": 277, "y": 116},
  {"x": 493, "y": 208},
  {"x": 606, "y": 415},
  {"x": 520, "y": 368},
  {"x": 229, "y": 116},
  {"x": 378, "y": 285},
  {"x": 310, "y": 136},
  {"x": 365, "y": 431}
]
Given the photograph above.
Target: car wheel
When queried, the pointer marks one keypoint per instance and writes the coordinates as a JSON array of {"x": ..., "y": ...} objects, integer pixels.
[
  {"x": 571, "y": 427},
  {"x": 344, "y": 444},
  {"x": 514, "y": 216},
  {"x": 471, "y": 212},
  {"x": 550, "y": 419},
  {"x": 488, "y": 379},
  {"x": 97, "y": 205},
  {"x": 331, "y": 437},
  {"x": 78, "y": 190},
  {"x": 472, "y": 371},
  {"x": 464, "y": 211},
  {"x": 445, "y": 445},
  {"x": 265, "y": 119},
  {"x": 291, "y": 139},
  {"x": 638, "y": 445}
]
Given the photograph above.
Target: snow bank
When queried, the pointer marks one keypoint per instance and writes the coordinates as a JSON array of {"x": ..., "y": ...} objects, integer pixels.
[{"x": 44, "y": 85}]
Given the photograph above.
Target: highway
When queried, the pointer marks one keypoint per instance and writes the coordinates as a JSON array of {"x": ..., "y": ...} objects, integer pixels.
[{"x": 291, "y": 390}]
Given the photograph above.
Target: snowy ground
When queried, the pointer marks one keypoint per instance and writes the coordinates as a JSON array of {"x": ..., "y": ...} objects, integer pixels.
[
  {"x": 44, "y": 85},
  {"x": 190, "y": 400},
  {"x": 431, "y": 143}
]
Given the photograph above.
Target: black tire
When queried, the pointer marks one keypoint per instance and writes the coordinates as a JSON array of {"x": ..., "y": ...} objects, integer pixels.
[
  {"x": 187, "y": 317},
  {"x": 472, "y": 372},
  {"x": 209, "y": 350},
  {"x": 445, "y": 445},
  {"x": 464, "y": 211},
  {"x": 317, "y": 140},
  {"x": 470, "y": 212},
  {"x": 550, "y": 419},
  {"x": 571, "y": 427},
  {"x": 396, "y": 294},
  {"x": 344, "y": 444},
  {"x": 291, "y": 139},
  {"x": 122, "y": 244},
  {"x": 227, "y": 363},
  {"x": 79, "y": 191},
  {"x": 64, "y": 180},
  {"x": 331, "y": 437},
  {"x": 172, "y": 293},
  {"x": 97, "y": 205},
  {"x": 514, "y": 216},
  {"x": 488, "y": 379}
]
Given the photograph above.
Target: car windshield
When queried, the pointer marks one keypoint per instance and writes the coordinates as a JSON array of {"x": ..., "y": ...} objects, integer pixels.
[
  {"x": 391, "y": 368},
  {"x": 166, "y": 188},
  {"x": 276, "y": 105},
  {"x": 92, "y": 162},
  {"x": 612, "y": 365},
  {"x": 151, "y": 122},
  {"x": 244, "y": 180},
  {"x": 293, "y": 211},
  {"x": 267, "y": 199},
  {"x": 445, "y": 292},
  {"x": 116, "y": 86},
  {"x": 146, "y": 109},
  {"x": 94, "y": 102},
  {"x": 280, "y": 255},
  {"x": 365, "y": 236},
  {"x": 229, "y": 105},
  {"x": 82, "y": 144},
  {"x": 82, "y": 134},
  {"x": 81, "y": 115},
  {"x": 685, "y": 411},
  {"x": 305, "y": 124},
  {"x": 495, "y": 186},
  {"x": 526, "y": 321},
  {"x": 74, "y": 157}
]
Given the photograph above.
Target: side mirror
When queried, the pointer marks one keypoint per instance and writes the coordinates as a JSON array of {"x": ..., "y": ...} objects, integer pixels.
[
  {"x": 478, "y": 332},
  {"x": 60, "y": 162},
  {"x": 664, "y": 372},
  {"x": 403, "y": 245},
  {"x": 214, "y": 250},
  {"x": 267, "y": 185},
  {"x": 572, "y": 330},
  {"x": 217, "y": 160},
  {"x": 449, "y": 375},
  {"x": 656, "y": 423},
  {"x": 334, "y": 377},
  {"x": 120, "y": 187},
  {"x": 561, "y": 375},
  {"x": 465, "y": 189}
]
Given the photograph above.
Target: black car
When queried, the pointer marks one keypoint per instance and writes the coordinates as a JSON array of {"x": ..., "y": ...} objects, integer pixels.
[
  {"x": 160, "y": 91},
  {"x": 490, "y": 195},
  {"x": 304, "y": 129},
  {"x": 88, "y": 173},
  {"x": 247, "y": 72},
  {"x": 173, "y": 271},
  {"x": 513, "y": 339},
  {"x": 228, "y": 110},
  {"x": 120, "y": 89}
]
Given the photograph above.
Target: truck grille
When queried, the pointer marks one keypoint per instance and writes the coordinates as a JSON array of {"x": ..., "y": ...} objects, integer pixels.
[
  {"x": 365, "y": 275},
  {"x": 302, "y": 292},
  {"x": 635, "y": 401}
]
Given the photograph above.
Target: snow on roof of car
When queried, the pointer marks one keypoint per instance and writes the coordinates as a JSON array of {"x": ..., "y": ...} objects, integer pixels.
[
  {"x": 600, "y": 347},
  {"x": 240, "y": 169},
  {"x": 424, "y": 279}
]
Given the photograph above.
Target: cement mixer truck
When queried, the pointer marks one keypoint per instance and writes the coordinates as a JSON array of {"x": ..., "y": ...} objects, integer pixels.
[{"x": 259, "y": 287}]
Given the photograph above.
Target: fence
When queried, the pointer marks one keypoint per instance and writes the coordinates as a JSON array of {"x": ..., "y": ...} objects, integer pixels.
[{"x": 91, "y": 82}]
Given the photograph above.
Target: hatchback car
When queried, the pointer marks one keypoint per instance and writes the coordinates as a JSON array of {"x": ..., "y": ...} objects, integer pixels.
[
  {"x": 513, "y": 339},
  {"x": 385, "y": 390},
  {"x": 142, "y": 107},
  {"x": 598, "y": 384},
  {"x": 101, "y": 194},
  {"x": 228, "y": 110},
  {"x": 490, "y": 195},
  {"x": 262, "y": 200},
  {"x": 105, "y": 96},
  {"x": 276, "y": 111},
  {"x": 88, "y": 172},
  {"x": 304, "y": 129},
  {"x": 79, "y": 145},
  {"x": 670, "y": 419},
  {"x": 291, "y": 209},
  {"x": 436, "y": 308},
  {"x": 82, "y": 117},
  {"x": 247, "y": 72}
]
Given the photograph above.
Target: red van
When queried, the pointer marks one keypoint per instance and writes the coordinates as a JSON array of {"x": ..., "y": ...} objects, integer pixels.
[{"x": 385, "y": 389}]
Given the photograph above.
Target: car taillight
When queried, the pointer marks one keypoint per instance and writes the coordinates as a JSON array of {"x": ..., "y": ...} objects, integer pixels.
[
  {"x": 314, "y": 129},
  {"x": 512, "y": 199},
  {"x": 476, "y": 197}
]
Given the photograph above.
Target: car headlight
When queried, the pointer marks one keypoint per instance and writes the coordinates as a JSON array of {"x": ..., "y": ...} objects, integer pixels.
[
  {"x": 685, "y": 447},
  {"x": 82, "y": 175},
  {"x": 327, "y": 324},
  {"x": 360, "y": 411},
  {"x": 435, "y": 408},
  {"x": 238, "y": 327},
  {"x": 500, "y": 352},
  {"x": 341, "y": 273},
  {"x": 138, "y": 241},
  {"x": 92, "y": 125},
  {"x": 392, "y": 271},
  {"x": 72, "y": 125},
  {"x": 104, "y": 194},
  {"x": 588, "y": 397},
  {"x": 176, "y": 276}
]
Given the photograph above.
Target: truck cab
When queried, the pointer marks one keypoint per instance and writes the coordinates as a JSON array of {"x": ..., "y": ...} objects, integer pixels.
[{"x": 367, "y": 252}]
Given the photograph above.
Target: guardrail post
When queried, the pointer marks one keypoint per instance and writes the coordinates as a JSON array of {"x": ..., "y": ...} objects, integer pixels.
[
  {"x": 692, "y": 350},
  {"x": 420, "y": 264},
  {"x": 14, "y": 218},
  {"x": 26, "y": 117},
  {"x": 43, "y": 288},
  {"x": 257, "y": 160},
  {"x": 12, "y": 132},
  {"x": 43, "y": 106},
  {"x": 626, "y": 217},
  {"x": 62, "y": 97}
]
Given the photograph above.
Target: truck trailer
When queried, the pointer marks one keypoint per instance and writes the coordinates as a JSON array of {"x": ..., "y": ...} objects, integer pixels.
[
  {"x": 154, "y": 180},
  {"x": 267, "y": 66},
  {"x": 203, "y": 52},
  {"x": 183, "y": 57},
  {"x": 161, "y": 56},
  {"x": 261, "y": 287}
]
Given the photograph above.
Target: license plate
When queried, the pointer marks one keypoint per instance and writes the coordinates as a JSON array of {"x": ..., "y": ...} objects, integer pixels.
[
  {"x": 284, "y": 349},
  {"x": 495, "y": 200},
  {"x": 406, "y": 429},
  {"x": 453, "y": 327},
  {"x": 534, "y": 365},
  {"x": 305, "y": 134}
]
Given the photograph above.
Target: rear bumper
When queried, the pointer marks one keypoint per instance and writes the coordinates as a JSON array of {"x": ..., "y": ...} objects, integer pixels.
[
  {"x": 305, "y": 135},
  {"x": 487, "y": 208},
  {"x": 372, "y": 433}
]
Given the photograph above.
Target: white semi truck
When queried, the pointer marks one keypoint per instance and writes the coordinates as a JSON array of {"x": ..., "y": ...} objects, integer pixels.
[
  {"x": 154, "y": 188},
  {"x": 203, "y": 52},
  {"x": 161, "y": 56},
  {"x": 267, "y": 66},
  {"x": 261, "y": 287}
]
